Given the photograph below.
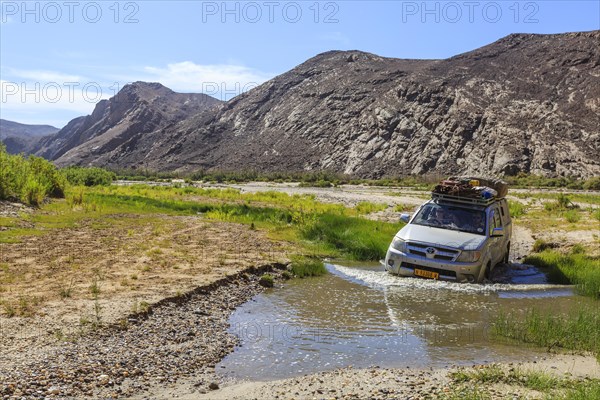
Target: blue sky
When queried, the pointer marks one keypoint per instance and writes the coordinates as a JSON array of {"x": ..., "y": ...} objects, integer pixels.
[{"x": 57, "y": 59}]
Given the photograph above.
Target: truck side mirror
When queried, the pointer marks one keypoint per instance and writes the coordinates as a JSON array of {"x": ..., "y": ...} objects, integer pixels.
[{"x": 405, "y": 217}]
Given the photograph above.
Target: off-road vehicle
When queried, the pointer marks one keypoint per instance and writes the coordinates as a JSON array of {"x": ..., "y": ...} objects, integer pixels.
[{"x": 459, "y": 235}]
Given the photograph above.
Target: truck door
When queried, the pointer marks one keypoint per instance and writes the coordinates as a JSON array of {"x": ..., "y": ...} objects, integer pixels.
[{"x": 497, "y": 242}]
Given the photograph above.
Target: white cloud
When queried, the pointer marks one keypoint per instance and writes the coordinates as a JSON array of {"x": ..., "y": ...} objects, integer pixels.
[
  {"x": 47, "y": 99},
  {"x": 48, "y": 94},
  {"x": 220, "y": 81},
  {"x": 44, "y": 77}
]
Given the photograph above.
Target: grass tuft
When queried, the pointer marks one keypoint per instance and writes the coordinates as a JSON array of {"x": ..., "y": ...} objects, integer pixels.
[
  {"x": 516, "y": 209},
  {"x": 303, "y": 266}
]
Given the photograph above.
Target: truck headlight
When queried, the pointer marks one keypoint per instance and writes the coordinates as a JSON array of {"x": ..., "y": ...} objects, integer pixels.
[
  {"x": 469, "y": 256},
  {"x": 399, "y": 244}
]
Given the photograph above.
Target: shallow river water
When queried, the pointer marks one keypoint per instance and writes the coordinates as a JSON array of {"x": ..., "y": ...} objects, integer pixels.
[{"x": 360, "y": 315}]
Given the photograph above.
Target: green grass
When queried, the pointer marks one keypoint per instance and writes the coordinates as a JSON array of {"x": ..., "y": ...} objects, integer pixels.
[
  {"x": 577, "y": 331},
  {"x": 334, "y": 228},
  {"x": 322, "y": 229},
  {"x": 492, "y": 373},
  {"x": 573, "y": 268},
  {"x": 474, "y": 382},
  {"x": 356, "y": 238},
  {"x": 572, "y": 216},
  {"x": 466, "y": 393},
  {"x": 302, "y": 267},
  {"x": 516, "y": 209},
  {"x": 366, "y": 207},
  {"x": 581, "y": 391}
]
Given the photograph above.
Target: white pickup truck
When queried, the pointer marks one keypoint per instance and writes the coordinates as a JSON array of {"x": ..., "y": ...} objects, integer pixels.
[{"x": 451, "y": 238}]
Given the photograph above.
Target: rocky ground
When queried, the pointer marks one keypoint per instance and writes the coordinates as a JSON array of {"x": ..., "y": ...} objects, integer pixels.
[
  {"x": 168, "y": 346},
  {"x": 183, "y": 336}
]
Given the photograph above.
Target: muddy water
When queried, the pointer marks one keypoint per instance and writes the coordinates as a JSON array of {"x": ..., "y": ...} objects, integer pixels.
[{"x": 362, "y": 316}]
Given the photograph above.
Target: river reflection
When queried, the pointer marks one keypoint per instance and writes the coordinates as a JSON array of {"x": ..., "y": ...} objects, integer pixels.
[{"x": 362, "y": 316}]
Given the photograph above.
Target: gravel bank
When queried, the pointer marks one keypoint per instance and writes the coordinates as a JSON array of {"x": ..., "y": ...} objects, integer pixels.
[
  {"x": 386, "y": 383},
  {"x": 177, "y": 337}
]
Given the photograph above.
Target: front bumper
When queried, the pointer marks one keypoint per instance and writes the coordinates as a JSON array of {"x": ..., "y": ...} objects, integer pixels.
[{"x": 405, "y": 264}]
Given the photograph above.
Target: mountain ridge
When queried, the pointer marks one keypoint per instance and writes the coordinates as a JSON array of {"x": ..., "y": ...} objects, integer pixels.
[
  {"x": 525, "y": 103},
  {"x": 22, "y": 138}
]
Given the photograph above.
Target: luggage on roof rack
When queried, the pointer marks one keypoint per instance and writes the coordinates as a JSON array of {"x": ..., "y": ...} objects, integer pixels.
[{"x": 470, "y": 190}]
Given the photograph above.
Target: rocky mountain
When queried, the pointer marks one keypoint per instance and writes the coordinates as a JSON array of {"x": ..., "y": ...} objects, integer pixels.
[
  {"x": 524, "y": 103},
  {"x": 122, "y": 124},
  {"x": 21, "y": 138}
]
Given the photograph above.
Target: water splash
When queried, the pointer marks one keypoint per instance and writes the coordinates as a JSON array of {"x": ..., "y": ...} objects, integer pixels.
[{"x": 527, "y": 281}]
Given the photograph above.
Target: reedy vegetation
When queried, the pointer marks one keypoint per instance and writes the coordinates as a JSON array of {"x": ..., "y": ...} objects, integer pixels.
[{"x": 475, "y": 383}]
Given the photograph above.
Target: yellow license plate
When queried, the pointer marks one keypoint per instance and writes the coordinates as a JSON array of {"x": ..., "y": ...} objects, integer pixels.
[{"x": 427, "y": 274}]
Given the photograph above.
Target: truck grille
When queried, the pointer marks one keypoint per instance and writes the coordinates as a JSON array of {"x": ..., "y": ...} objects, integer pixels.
[{"x": 439, "y": 253}]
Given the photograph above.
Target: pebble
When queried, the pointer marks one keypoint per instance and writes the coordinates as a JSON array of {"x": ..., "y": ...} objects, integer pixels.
[{"x": 165, "y": 343}]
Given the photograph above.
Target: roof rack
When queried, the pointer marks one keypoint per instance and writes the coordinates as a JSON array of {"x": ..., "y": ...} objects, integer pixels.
[{"x": 463, "y": 200}]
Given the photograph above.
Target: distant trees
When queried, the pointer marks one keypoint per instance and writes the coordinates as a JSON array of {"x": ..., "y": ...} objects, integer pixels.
[{"x": 88, "y": 176}]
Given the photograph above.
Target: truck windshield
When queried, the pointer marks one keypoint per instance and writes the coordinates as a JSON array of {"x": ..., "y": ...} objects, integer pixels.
[{"x": 451, "y": 217}]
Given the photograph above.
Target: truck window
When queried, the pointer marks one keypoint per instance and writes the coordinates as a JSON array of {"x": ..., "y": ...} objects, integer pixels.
[{"x": 497, "y": 220}]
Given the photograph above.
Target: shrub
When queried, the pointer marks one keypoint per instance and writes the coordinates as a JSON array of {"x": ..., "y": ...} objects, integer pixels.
[
  {"x": 88, "y": 176},
  {"x": 29, "y": 180},
  {"x": 33, "y": 192}
]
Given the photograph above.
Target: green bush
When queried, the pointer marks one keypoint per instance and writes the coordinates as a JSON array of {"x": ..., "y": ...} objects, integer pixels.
[
  {"x": 88, "y": 176},
  {"x": 28, "y": 180},
  {"x": 33, "y": 192}
]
